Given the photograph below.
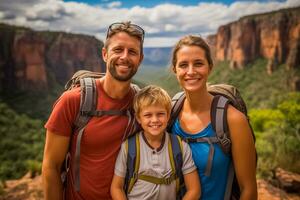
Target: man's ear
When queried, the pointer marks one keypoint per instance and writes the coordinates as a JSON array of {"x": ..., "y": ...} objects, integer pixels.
[
  {"x": 141, "y": 58},
  {"x": 104, "y": 54}
]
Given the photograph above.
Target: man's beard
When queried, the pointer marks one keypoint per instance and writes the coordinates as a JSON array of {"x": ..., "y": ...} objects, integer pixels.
[{"x": 113, "y": 71}]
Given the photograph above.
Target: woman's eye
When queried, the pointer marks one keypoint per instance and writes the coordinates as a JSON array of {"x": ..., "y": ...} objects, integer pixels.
[
  {"x": 183, "y": 65},
  {"x": 198, "y": 64}
]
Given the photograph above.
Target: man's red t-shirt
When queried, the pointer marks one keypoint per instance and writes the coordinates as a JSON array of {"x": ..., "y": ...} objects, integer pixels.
[{"x": 100, "y": 142}]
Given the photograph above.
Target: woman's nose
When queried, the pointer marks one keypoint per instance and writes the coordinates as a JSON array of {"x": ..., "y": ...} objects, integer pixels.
[{"x": 190, "y": 69}]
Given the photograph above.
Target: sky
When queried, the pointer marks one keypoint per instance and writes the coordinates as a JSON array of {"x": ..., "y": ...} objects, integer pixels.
[{"x": 163, "y": 21}]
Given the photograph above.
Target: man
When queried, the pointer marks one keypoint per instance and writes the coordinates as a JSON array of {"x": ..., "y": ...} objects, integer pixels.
[{"x": 102, "y": 138}]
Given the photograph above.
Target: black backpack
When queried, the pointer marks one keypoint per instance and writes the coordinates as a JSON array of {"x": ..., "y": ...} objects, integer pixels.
[
  {"x": 223, "y": 96},
  {"x": 88, "y": 105}
]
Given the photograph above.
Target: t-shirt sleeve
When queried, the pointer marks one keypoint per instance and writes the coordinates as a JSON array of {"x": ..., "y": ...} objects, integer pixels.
[
  {"x": 121, "y": 162},
  {"x": 188, "y": 165},
  {"x": 64, "y": 112}
]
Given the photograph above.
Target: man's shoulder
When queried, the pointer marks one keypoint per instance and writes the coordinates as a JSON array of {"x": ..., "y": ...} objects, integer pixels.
[{"x": 73, "y": 93}]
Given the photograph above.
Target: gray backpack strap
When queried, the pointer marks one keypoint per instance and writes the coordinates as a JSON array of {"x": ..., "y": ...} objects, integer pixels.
[
  {"x": 210, "y": 141},
  {"x": 88, "y": 98},
  {"x": 132, "y": 125},
  {"x": 229, "y": 183},
  {"x": 219, "y": 121},
  {"x": 88, "y": 102},
  {"x": 177, "y": 103}
]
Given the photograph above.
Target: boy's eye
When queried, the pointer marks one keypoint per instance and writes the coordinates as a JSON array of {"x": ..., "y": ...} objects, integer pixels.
[
  {"x": 147, "y": 115},
  {"x": 162, "y": 114}
]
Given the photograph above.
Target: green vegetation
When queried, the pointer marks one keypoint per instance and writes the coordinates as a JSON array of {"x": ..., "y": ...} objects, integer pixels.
[
  {"x": 22, "y": 140},
  {"x": 278, "y": 135},
  {"x": 259, "y": 89}
]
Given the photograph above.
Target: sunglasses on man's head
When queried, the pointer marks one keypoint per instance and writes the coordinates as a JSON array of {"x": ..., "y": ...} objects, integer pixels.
[{"x": 120, "y": 24}]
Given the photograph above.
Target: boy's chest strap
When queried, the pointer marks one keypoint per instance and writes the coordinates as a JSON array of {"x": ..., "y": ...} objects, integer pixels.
[{"x": 156, "y": 180}]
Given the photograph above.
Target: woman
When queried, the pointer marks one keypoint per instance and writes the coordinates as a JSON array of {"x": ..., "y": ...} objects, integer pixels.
[{"x": 192, "y": 64}]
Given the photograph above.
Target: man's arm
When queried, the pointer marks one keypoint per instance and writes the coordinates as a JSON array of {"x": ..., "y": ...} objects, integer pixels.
[
  {"x": 192, "y": 184},
  {"x": 56, "y": 148},
  {"x": 243, "y": 153}
]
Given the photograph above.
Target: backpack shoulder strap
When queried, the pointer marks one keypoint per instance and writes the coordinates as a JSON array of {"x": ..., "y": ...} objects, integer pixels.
[
  {"x": 176, "y": 160},
  {"x": 133, "y": 162},
  {"x": 88, "y": 102},
  {"x": 219, "y": 121},
  {"x": 177, "y": 103},
  {"x": 219, "y": 124},
  {"x": 135, "y": 87}
]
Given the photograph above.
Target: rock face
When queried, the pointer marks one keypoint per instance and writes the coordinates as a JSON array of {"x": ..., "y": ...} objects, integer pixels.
[
  {"x": 31, "y": 60},
  {"x": 274, "y": 36}
]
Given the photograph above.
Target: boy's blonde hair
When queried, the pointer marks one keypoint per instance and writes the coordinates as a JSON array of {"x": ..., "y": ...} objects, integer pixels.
[{"x": 151, "y": 95}]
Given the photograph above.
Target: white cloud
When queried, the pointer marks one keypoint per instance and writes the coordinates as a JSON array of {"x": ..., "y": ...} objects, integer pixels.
[
  {"x": 163, "y": 24},
  {"x": 114, "y": 4}
]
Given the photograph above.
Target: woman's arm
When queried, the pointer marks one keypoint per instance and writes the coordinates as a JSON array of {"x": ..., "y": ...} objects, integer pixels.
[
  {"x": 56, "y": 148},
  {"x": 116, "y": 188},
  {"x": 192, "y": 184},
  {"x": 243, "y": 153}
]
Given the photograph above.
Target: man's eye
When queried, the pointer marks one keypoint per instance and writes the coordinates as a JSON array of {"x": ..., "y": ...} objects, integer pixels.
[
  {"x": 132, "y": 52},
  {"x": 118, "y": 50}
]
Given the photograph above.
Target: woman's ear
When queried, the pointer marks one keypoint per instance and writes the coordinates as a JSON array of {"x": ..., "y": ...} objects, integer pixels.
[
  {"x": 174, "y": 69},
  {"x": 210, "y": 69}
]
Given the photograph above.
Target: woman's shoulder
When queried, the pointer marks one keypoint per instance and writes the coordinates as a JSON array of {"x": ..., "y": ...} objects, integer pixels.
[{"x": 234, "y": 115}]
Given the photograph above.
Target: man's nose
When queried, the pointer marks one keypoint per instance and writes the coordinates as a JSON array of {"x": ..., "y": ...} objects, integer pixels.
[{"x": 124, "y": 54}]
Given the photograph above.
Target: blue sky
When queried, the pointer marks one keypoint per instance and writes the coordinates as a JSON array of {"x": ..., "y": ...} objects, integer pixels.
[{"x": 163, "y": 21}]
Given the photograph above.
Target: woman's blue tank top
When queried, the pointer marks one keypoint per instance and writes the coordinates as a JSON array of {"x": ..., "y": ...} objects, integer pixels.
[{"x": 212, "y": 187}]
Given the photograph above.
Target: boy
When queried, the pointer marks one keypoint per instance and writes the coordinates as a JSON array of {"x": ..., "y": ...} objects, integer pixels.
[{"x": 152, "y": 106}]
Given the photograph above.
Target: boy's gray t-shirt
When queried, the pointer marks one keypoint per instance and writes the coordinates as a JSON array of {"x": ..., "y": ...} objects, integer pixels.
[{"x": 154, "y": 163}]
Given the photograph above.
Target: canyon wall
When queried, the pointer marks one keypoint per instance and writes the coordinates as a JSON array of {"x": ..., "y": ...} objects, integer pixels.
[
  {"x": 37, "y": 60},
  {"x": 274, "y": 36}
]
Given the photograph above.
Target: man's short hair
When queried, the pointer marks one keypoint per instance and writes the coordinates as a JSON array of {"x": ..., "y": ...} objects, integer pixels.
[{"x": 127, "y": 27}]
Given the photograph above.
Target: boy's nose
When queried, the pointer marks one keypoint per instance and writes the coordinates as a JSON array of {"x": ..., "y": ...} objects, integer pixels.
[{"x": 154, "y": 118}]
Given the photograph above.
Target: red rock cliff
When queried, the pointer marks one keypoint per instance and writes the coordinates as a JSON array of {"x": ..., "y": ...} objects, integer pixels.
[
  {"x": 274, "y": 36},
  {"x": 34, "y": 60}
]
